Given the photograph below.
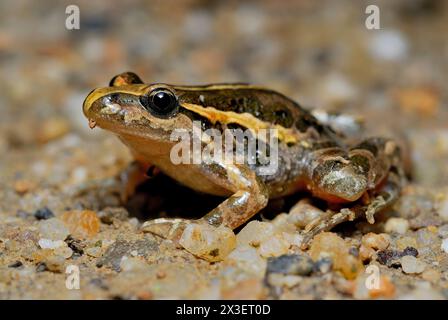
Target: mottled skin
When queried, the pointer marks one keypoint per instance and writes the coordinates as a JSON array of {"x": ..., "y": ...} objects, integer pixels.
[{"x": 365, "y": 178}]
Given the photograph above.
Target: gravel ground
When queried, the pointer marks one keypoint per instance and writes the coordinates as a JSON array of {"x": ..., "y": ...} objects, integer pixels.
[{"x": 60, "y": 184}]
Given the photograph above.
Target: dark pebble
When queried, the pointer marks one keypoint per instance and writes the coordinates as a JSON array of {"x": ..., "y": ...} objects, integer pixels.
[
  {"x": 43, "y": 214},
  {"x": 41, "y": 267},
  {"x": 16, "y": 264},
  {"x": 292, "y": 264},
  {"x": 391, "y": 257},
  {"x": 410, "y": 251},
  {"x": 76, "y": 245}
]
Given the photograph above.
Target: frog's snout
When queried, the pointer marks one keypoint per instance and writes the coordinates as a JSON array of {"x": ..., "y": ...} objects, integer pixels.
[
  {"x": 86, "y": 105},
  {"x": 93, "y": 98}
]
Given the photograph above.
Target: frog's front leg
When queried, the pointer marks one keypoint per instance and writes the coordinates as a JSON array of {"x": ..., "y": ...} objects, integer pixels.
[
  {"x": 134, "y": 174},
  {"x": 249, "y": 196}
]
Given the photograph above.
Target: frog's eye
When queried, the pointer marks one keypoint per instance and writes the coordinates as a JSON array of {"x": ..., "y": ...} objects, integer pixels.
[{"x": 160, "y": 102}]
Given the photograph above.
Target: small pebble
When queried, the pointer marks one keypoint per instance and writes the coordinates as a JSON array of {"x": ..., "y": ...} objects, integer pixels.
[
  {"x": 410, "y": 251},
  {"x": 303, "y": 213},
  {"x": 16, "y": 264},
  {"x": 273, "y": 247},
  {"x": 248, "y": 259},
  {"x": 291, "y": 264},
  {"x": 64, "y": 251},
  {"x": 366, "y": 253},
  {"x": 376, "y": 241},
  {"x": 41, "y": 267},
  {"x": 82, "y": 223},
  {"x": 51, "y": 244},
  {"x": 94, "y": 252},
  {"x": 444, "y": 245},
  {"x": 76, "y": 245},
  {"x": 294, "y": 239},
  {"x": 43, "y": 214},
  {"x": 55, "y": 263},
  {"x": 279, "y": 280},
  {"x": 412, "y": 265},
  {"x": 254, "y": 233},
  {"x": 207, "y": 242},
  {"x": 403, "y": 243},
  {"x": 398, "y": 225},
  {"x": 330, "y": 245},
  {"x": 23, "y": 186},
  {"x": 132, "y": 264},
  {"x": 388, "y": 45},
  {"x": 53, "y": 229}
]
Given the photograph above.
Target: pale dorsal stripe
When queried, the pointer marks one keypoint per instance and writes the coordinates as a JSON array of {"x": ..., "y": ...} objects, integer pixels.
[{"x": 246, "y": 120}]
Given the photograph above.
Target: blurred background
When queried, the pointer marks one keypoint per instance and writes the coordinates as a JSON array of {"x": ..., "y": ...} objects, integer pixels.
[{"x": 318, "y": 52}]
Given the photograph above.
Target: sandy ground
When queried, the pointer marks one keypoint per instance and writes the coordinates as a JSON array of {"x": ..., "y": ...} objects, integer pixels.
[{"x": 60, "y": 204}]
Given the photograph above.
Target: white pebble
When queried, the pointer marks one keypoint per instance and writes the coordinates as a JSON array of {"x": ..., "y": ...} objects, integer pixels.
[
  {"x": 132, "y": 264},
  {"x": 248, "y": 259},
  {"x": 51, "y": 244},
  {"x": 398, "y": 225},
  {"x": 411, "y": 264},
  {"x": 254, "y": 233},
  {"x": 273, "y": 247},
  {"x": 444, "y": 245},
  {"x": 388, "y": 45},
  {"x": 207, "y": 242},
  {"x": 53, "y": 229},
  {"x": 64, "y": 252}
]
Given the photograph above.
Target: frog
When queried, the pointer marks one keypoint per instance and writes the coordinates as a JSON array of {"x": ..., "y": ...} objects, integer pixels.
[{"x": 358, "y": 178}]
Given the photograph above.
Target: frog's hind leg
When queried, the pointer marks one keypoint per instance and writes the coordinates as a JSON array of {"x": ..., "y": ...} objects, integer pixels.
[
  {"x": 379, "y": 161},
  {"x": 385, "y": 197}
]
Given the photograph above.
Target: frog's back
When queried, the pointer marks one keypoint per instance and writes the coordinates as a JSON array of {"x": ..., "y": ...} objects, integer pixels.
[
  {"x": 269, "y": 107},
  {"x": 264, "y": 104}
]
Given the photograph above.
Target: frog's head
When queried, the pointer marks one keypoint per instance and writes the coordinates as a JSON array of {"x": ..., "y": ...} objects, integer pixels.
[{"x": 130, "y": 109}]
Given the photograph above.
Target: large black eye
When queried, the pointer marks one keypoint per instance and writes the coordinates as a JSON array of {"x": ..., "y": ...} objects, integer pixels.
[{"x": 160, "y": 102}]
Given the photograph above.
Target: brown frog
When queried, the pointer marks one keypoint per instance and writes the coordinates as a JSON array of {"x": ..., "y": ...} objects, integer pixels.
[{"x": 361, "y": 179}]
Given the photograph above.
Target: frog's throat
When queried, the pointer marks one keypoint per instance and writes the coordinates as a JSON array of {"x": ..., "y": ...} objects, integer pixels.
[
  {"x": 246, "y": 120},
  {"x": 135, "y": 89}
]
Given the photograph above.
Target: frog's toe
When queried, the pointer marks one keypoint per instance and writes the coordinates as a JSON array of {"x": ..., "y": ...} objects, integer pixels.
[{"x": 170, "y": 229}]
